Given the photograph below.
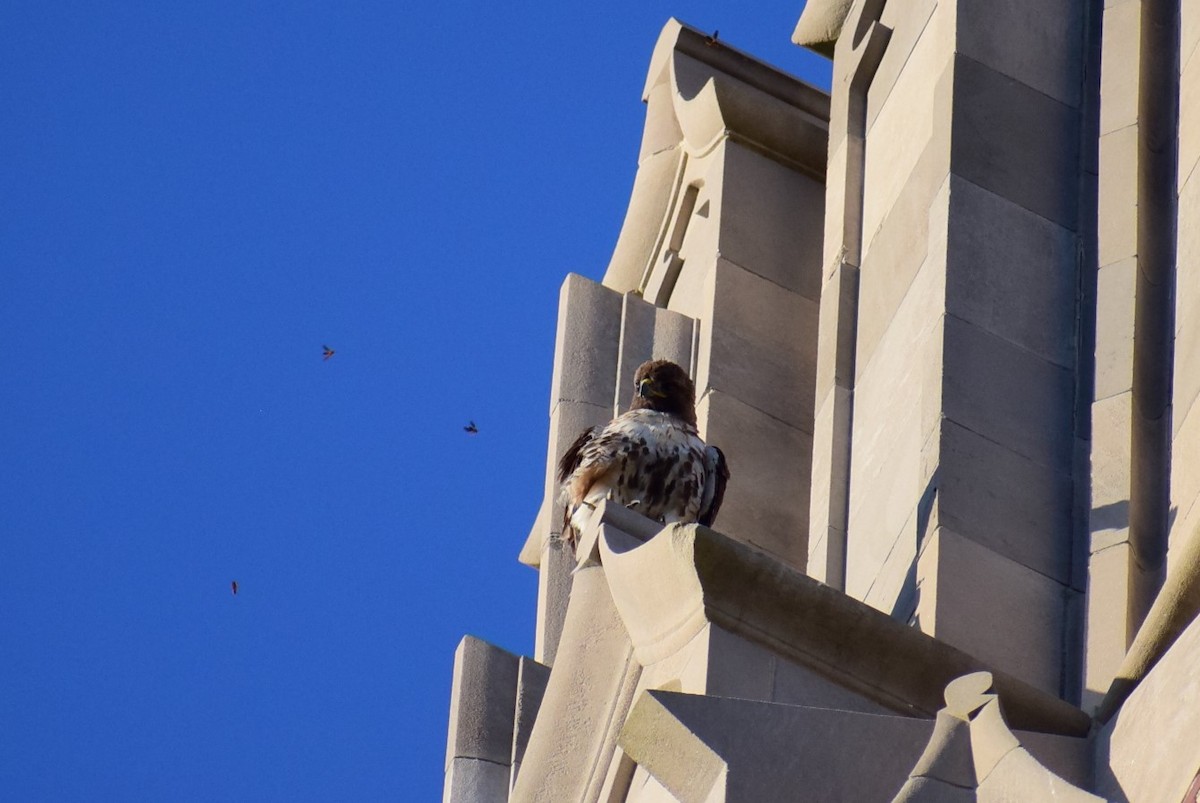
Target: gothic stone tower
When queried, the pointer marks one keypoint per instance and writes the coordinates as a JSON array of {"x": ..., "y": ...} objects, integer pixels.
[{"x": 943, "y": 321}]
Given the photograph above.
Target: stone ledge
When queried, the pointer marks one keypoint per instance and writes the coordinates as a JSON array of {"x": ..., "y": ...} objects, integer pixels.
[{"x": 669, "y": 586}]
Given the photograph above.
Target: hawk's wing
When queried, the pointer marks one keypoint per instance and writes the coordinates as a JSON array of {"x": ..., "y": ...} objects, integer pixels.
[
  {"x": 716, "y": 475},
  {"x": 574, "y": 454},
  {"x": 567, "y": 465}
]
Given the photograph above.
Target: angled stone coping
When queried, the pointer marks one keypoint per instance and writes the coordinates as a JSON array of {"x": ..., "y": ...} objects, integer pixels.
[
  {"x": 718, "y": 91},
  {"x": 668, "y": 587},
  {"x": 699, "y": 92},
  {"x": 820, "y": 24}
]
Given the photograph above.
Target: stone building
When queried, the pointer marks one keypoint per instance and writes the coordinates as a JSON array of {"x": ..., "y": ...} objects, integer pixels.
[{"x": 945, "y": 323}]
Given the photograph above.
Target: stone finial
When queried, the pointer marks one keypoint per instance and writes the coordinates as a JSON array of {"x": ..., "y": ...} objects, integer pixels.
[{"x": 974, "y": 755}]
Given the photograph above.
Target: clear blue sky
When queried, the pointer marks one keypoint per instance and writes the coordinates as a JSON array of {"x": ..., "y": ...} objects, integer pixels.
[{"x": 194, "y": 198}]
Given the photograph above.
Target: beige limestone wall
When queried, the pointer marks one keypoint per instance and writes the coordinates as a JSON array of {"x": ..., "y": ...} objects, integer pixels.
[
  {"x": 953, "y": 247},
  {"x": 1149, "y": 751},
  {"x": 1185, "y": 442}
]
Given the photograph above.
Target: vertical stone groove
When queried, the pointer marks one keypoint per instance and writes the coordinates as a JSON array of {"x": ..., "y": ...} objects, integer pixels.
[{"x": 1154, "y": 315}]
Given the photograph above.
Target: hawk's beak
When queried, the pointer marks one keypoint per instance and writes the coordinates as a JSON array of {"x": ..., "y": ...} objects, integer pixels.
[{"x": 647, "y": 390}]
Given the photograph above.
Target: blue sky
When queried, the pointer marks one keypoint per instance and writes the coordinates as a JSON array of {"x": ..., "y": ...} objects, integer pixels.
[{"x": 194, "y": 198}]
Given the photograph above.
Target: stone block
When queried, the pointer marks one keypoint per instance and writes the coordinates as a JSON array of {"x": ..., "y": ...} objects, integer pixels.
[
  {"x": 830, "y": 481},
  {"x": 708, "y": 749},
  {"x": 894, "y": 376},
  {"x": 762, "y": 313},
  {"x": 1187, "y": 262},
  {"x": 1149, "y": 750},
  {"x": 841, "y": 178},
  {"x": 1184, "y": 527},
  {"x": 684, "y": 231},
  {"x": 554, "y": 592},
  {"x": 1185, "y": 478},
  {"x": 1115, "y": 296},
  {"x": 651, "y": 194},
  {"x": 645, "y": 788},
  {"x": 1070, "y": 758},
  {"x": 1120, "y": 55},
  {"x": 688, "y": 297},
  {"x": 1118, "y": 210},
  {"x": 1015, "y": 142},
  {"x": 894, "y": 588},
  {"x": 1008, "y": 395},
  {"x": 473, "y": 780},
  {"x": 586, "y": 343},
  {"x": 1112, "y": 461},
  {"x": 819, "y": 554},
  {"x": 766, "y": 502},
  {"x": 685, "y": 670},
  {"x": 483, "y": 701},
  {"x": 885, "y": 490},
  {"x": 1004, "y": 502},
  {"x": 993, "y": 608},
  {"x": 661, "y": 130},
  {"x": 1109, "y": 627},
  {"x": 771, "y": 218},
  {"x": 1186, "y": 380},
  {"x": 531, "y": 687},
  {"x": 737, "y": 667},
  {"x": 1011, "y": 272},
  {"x": 1189, "y": 121},
  {"x": 798, "y": 685},
  {"x": 903, "y": 125},
  {"x": 932, "y": 790},
  {"x": 909, "y": 21},
  {"x": 836, "y": 330},
  {"x": 586, "y": 698},
  {"x": 759, "y": 345},
  {"x": 1187, "y": 277},
  {"x": 1019, "y": 776},
  {"x": 897, "y": 406},
  {"x": 898, "y": 249},
  {"x": 1038, "y": 43},
  {"x": 1189, "y": 35}
]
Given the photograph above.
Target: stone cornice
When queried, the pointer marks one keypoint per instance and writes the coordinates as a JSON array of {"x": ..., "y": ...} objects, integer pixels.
[{"x": 668, "y": 587}]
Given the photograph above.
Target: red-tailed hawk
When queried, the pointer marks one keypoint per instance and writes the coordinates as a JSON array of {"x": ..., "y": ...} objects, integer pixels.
[{"x": 650, "y": 459}]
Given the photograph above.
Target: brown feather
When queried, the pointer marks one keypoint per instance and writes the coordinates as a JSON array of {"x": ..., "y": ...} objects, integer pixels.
[
  {"x": 707, "y": 517},
  {"x": 673, "y": 390},
  {"x": 570, "y": 459}
]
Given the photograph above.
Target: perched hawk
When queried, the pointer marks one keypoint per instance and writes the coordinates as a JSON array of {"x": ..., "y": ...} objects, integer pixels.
[{"x": 650, "y": 459}]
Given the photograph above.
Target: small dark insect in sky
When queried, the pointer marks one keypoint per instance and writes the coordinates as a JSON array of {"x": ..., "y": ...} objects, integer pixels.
[
  {"x": 233, "y": 587},
  {"x": 471, "y": 429},
  {"x": 711, "y": 40},
  {"x": 327, "y": 351}
]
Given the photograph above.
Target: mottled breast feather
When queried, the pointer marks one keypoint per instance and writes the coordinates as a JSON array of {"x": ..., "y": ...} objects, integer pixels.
[{"x": 650, "y": 461}]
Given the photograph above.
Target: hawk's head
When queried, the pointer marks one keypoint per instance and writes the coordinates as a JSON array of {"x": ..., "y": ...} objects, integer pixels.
[{"x": 663, "y": 386}]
